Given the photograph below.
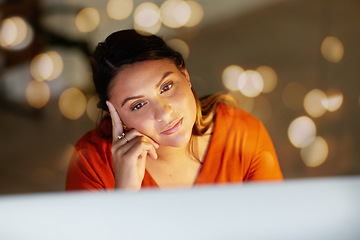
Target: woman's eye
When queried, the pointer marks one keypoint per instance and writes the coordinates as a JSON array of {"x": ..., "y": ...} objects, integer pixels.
[
  {"x": 166, "y": 87},
  {"x": 138, "y": 106}
]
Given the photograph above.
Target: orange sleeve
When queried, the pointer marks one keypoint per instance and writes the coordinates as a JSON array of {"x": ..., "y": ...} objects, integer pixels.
[
  {"x": 90, "y": 166},
  {"x": 264, "y": 163}
]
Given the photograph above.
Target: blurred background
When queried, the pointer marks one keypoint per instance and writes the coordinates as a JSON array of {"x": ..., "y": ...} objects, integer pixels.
[{"x": 294, "y": 64}]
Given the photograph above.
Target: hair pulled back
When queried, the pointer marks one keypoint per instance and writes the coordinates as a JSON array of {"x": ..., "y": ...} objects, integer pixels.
[{"x": 123, "y": 48}]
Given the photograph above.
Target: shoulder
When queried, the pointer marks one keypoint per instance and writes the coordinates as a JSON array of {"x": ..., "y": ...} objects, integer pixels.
[
  {"x": 98, "y": 138},
  {"x": 235, "y": 117}
]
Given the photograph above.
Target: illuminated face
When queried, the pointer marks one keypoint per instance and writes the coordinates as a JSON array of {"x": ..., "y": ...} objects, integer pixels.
[{"x": 155, "y": 98}]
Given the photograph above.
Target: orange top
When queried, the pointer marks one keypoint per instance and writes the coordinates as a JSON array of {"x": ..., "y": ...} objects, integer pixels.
[{"x": 240, "y": 150}]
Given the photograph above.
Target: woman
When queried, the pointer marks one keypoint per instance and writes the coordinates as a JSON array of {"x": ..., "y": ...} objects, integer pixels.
[{"x": 160, "y": 134}]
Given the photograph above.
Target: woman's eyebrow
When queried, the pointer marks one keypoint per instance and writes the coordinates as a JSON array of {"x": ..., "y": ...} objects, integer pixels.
[
  {"x": 163, "y": 78},
  {"x": 131, "y": 98}
]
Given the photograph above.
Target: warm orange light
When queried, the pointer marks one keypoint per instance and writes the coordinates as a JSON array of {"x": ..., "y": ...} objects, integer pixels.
[
  {"x": 313, "y": 103},
  {"x": 37, "y": 94},
  {"x": 316, "y": 153},
  {"x": 333, "y": 101},
  {"x": 230, "y": 77},
  {"x": 87, "y": 20},
  {"x": 269, "y": 76},
  {"x": 180, "y": 46},
  {"x": 119, "y": 9},
  {"x": 15, "y": 33},
  {"x": 250, "y": 83},
  {"x": 332, "y": 49},
  {"x": 72, "y": 103},
  {"x": 147, "y": 18},
  {"x": 197, "y": 14},
  {"x": 302, "y": 132},
  {"x": 46, "y": 66},
  {"x": 175, "y": 13}
]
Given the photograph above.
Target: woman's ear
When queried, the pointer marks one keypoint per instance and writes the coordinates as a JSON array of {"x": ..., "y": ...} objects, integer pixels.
[{"x": 187, "y": 76}]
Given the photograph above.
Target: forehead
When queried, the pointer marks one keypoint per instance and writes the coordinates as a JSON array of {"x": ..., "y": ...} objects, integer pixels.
[{"x": 140, "y": 75}]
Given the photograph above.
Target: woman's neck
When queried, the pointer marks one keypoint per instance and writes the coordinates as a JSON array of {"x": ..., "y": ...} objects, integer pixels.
[{"x": 172, "y": 155}]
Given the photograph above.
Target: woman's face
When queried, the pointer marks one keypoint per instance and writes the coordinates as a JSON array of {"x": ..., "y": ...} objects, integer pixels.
[{"x": 155, "y": 98}]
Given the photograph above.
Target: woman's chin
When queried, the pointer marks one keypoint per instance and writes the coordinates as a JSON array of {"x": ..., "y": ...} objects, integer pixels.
[{"x": 178, "y": 141}]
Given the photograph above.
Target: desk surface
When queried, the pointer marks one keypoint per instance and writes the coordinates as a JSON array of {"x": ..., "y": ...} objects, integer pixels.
[{"x": 327, "y": 208}]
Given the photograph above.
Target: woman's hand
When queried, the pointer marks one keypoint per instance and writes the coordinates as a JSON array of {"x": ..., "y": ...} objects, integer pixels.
[{"x": 129, "y": 153}]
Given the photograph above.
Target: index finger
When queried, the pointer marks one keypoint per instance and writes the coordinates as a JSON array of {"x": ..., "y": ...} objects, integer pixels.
[{"x": 117, "y": 128}]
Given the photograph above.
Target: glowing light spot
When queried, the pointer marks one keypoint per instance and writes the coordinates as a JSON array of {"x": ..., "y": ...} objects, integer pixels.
[
  {"x": 293, "y": 94},
  {"x": 269, "y": 76},
  {"x": 87, "y": 20},
  {"x": 250, "y": 83},
  {"x": 37, "y": 94},
  {"x": 147, "y": 18},
  {"x": 46, "y": 66},
  {"x": 15, "y": 33},
  {"x": 175, "y": 13},
  {"x": 302, "y": 132},
  {"x": 333, "y": 101},
  {"x": 313, "y": 103},
  {"x": 332, "y": 49},
  {"x": 230, "y": 77},
  {"x": 72, "y": 103},
  {"x": 316, "y": 153},
  {"x": 91, "y": 109},
  {"x": 119, "y": 9},
  {"x": 179, "y": 46},
  {"x": 197, "y": 14}
]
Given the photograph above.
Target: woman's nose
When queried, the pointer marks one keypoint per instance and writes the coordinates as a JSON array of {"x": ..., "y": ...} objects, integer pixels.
[{"x": 163, "y": 110}]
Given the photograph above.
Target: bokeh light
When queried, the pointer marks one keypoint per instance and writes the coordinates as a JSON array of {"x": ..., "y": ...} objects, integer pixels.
[
  {"x": 333, "y": 100},
  {"x": 147, "y": 18},
  {"x": 250, "y": 83},
  {"x": 313, "y": 103},
  {"x": 15, "y": 33},
  {"x": 230, "y": 77},
  {"x": 332, "y": 49},
  {"x": 269, "y": 76},
  {"x": 180, "y": 46},
  {"x": 175, "y": 13},
  {"x": 119, "y": 9},
  {"x": 37, "y": 94},
  {"x": 46, "y": 66},
  {"x": 91, "y": 110},
  {"x": 302, "y": 131},
  {"x": 72, "y": 103},
  {"x": 87, "y": 20},
  {"x": 197, "y": 14},
  {"x": 316, "y": 153}
]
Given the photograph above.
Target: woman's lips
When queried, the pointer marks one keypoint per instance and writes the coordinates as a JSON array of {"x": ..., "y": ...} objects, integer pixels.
[{"x": 171, "y": 129}]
